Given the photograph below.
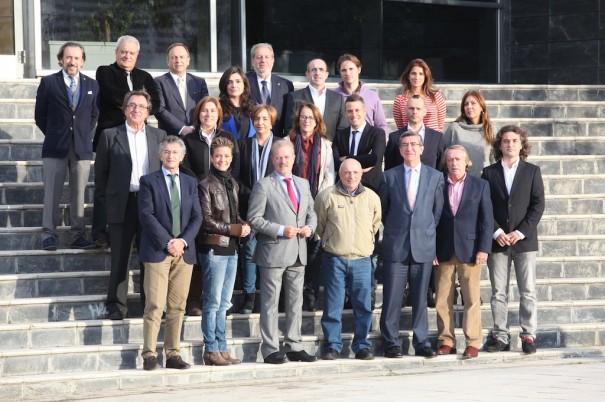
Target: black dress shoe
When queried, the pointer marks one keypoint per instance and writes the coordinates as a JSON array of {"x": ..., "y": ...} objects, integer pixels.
[
  {"x": 49, "y": 244},
  {"x": 426, "y": 351},
  {"x": 496, "y": 345},
  {"x": 301, "y": 356},
  {"x": 114, "y": 315},
  {"x": 393, "y": 352},
  {"x": 364, "y": 354},
  {"x": 430, "y": 300},
  {"x": 150, "y": 363},
  {"x": 175, "y": 362},
  {"x": 331, "y": 354},
  {"x": 276, "y": 358}
]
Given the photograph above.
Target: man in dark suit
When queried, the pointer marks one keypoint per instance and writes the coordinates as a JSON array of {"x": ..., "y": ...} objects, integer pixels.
[
  {"x": 464, "y": 235},
  {"x": 412, "y": 199},
  {"x": 179, "y": 93},
  {"x": 281, "y": 212},
  {"x": 125, "y": 153},
  {"x": 434, "y": 144},
  {"x": 66, "y": 112},
  {"x": 517, "y": 193},
  {"x": 115, "y": 81},
  {"x": 170, "y": 216},
  {"x": 266, "y": 87},
  {"x": 330, "y": 103}
]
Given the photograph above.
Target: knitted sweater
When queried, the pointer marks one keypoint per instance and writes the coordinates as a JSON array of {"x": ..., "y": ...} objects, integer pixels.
[{"x": 470, "y": 136}]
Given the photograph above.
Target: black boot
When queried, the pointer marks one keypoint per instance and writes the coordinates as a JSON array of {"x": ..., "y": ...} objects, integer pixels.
[{"x": 248, "y": 303}]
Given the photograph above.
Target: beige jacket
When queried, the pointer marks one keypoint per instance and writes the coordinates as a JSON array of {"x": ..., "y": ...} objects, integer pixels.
[{"x": 347, "y": 224}]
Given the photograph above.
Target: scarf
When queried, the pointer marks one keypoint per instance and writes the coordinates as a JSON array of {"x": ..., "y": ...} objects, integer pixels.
[
  {"x": 259, "y": 167},
  {"x": 313, "y": 166},
  {"x": 225, "y": 177}
]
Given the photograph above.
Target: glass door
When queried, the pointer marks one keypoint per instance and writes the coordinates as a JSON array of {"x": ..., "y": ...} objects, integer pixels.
[{"x": 11, "y": 39}]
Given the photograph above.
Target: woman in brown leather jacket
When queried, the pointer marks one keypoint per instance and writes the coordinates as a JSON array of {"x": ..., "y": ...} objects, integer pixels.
[{"x": 217, "y": 245}]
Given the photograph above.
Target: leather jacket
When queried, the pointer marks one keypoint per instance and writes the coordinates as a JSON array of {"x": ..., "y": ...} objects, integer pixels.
[{"x": 215, "y": 228}]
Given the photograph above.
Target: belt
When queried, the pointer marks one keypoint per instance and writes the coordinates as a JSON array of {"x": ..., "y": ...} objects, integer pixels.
[{"x": 133, "y": 194}]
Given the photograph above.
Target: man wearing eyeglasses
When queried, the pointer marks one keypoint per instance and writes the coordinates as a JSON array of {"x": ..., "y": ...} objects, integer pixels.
[
  {"x": 329, "y": 103},
  {"x": 412, "y": 199},
  {"x": 124, "y": 154}
]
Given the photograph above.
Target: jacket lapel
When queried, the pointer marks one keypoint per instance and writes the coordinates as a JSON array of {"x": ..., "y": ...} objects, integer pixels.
[
  {"x": 517, "y": 178},
  {"x": 174, "y": 90},
  {"x": 122, "y": 140},
  {"x": 281, "y": 191}
]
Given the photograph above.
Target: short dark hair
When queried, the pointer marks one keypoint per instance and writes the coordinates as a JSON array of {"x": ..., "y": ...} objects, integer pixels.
[
  {"x": 411, "y": 133},
  {"x": 354, "y": 98},
  {"x": 176, "y": 45},
  {"x": 66, "y": 45},
  {"x": 137, "y": 93}
]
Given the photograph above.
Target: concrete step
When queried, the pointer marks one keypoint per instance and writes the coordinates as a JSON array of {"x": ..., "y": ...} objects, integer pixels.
[
  {"x": 569, "y": 184},
  {"x": 20, "y": 149},
  {"x": 20, "y": 362},
  {"x": 575, "y": 204},
  {"x": 93, "y": 383},
  {"x": 62, "y": 260},
  {"x": 19, "y": 89},
  {"x": 28, "y": 238},
  {"x": 31, "y": 215},
  {"x": 571, "y": 164},
  {"x": 28, "y": 171},
  {"x": 567, "y": 245},
  {"x": 33, "y": 193},
  {"x": 17, "y": 108},
  {"x": 571, "y": 224}
]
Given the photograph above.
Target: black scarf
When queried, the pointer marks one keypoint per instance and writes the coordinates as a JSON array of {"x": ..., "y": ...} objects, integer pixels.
[{"x": 313, "y": 159}]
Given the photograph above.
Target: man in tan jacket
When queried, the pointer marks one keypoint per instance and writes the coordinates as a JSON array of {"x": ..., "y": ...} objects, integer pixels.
[{"x": 348, "y": 217}]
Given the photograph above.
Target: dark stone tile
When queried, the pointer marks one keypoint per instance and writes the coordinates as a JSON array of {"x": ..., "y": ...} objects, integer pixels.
[
  {"x": 93, "y": 261},
  {"x": 56, "y": 287},
  {"x": 539, "y": 76},
  {"x": 589, "y": 148},
  {"x": 573, "y": 27},
  {"x": 573, "y": 75},
  {"x": 29, "y": 152},
  {"x": 522, "y": 8},
  {"x": 557, "y": 148},
  {"x": 529, "y": 30},
  {"x": 529, "y": 94},
  {"x": 539, "y": 129},
  {"x": 578, "y": 338},
  {"x": 574, "y": 54},
  {"x": 559, "y": 94},
  {"x": 572, "y": 7},
  {"x": 548, "y": 111},
  {"x": 529, "y": 57}
]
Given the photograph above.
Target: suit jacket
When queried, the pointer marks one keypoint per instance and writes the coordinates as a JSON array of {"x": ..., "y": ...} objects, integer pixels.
[
  {"x": 113, "y": 87},
  {"x": 197, "y": 158},
  {"x": 522, "y": 209},
  {"x": 113, "y": 165},
  {"x": 334, "y": 113},
  {"x": 155, "y": 216},
  {"x": 270, "y": 208},
  {"x": 471, "y": 229},
  {"x": 370, "y": 152},
  {"x": 405, "y": 229},
  {"x": 172, "y": 115},
  {"x": 245, "y": 174},
  {"x": 432, "y": 156},
  {"x": 59, "y": 123},
  {"x": 280, "y": 87}
]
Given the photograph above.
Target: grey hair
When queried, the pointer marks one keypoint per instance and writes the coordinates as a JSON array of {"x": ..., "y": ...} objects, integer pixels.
[
  {"x": 128, "y": 38},
  {"x": 260, "y": 45},
  {"x": 172, "y": 139}
]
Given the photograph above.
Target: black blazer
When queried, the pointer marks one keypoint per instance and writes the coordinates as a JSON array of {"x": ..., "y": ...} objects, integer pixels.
[
  {"x": 280, "y": 87},
  {"x": 172, "y": 115},
  {"x": 59, "y": 123},
  {"x": 370, "y": 152},
  {"x": 434, "y": 149},
  {"x": 523, "y": 209},
  {"x": 197, "y": 156},
  {"x": 471, "y": 229},
  {"x": 113, "y": 87},
  {"x": 334, "y": 113},
  {"x": 245, "y": 174}
]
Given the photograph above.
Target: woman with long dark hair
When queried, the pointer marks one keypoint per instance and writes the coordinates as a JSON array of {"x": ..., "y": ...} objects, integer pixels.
[{"x": 237, "y": 102}]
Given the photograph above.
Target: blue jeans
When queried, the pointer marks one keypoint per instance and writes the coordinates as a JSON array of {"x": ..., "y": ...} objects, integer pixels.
[
  {"x": 219, "y": 279},
  {"x": 249, "y": 274},
  {"x": 354, "y": 275}
]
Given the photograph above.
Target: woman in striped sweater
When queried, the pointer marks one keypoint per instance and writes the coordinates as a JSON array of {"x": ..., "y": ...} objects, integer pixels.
[{"x": 418, "y": 80}]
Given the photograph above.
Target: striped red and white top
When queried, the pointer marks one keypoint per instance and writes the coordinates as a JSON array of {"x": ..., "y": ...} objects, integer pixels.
[{"x": 435, "y": 113}]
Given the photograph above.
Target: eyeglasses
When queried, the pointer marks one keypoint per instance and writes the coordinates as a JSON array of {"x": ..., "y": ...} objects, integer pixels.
[
  {"x": 307, "y": 118},
  {"x": 409, "y": 145},
  {"x": 134, "y": 106}
]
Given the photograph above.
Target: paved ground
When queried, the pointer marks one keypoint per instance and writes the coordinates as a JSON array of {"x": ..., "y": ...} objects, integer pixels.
[{"x": 547, "y": 380}]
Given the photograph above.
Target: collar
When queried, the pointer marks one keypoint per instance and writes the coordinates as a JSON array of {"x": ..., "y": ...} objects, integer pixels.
[
  {"x": 167, "y": 173},
  {"x": 131, "y": 130},
  {"x": 459, "y": 181},
  {"x": 66, "y": 76},
  {"x": 360, "y": 129},
  {"x": 416, "y": 168},
  {"x": 360, "y": 189},
  {"x": 514, "y": 166},
  {"x": 315, "y": 92},
  {"x": 176, "y": 77}
]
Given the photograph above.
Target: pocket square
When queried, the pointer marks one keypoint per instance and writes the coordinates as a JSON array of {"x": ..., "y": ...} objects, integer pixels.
[{"x": 89, "y": 92}]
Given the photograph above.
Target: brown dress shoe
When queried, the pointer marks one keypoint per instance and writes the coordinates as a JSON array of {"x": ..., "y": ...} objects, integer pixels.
[
  {"x": 193, "y": 309},
  {"x": 231, "y": 360},
  {"x": 470, "y": 352},
  {"x": 446, "y": 350},
  {"x": 215, "y": 359}
]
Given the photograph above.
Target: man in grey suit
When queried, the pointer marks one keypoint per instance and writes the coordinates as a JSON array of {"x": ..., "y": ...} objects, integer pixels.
[
  {"x": 124, "y": 154},
  {"x": 179, "y": 93},
  {"x": 281, "y": 212},
  {"x": 267, "y": 88},
  {"x": 330, "y": 103},
  {"x": 412, "y": 199}
]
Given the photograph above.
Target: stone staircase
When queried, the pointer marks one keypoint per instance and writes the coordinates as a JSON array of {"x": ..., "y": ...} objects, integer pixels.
[{"x": 53, "y": 338}]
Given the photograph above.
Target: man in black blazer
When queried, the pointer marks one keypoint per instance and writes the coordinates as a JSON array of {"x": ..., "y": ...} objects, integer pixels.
[
  {"x": 179, "y": 93},
  {"x": 115, "y": 81},
  {"x": 266, "y": 87},
  {"x": 118, "y": 168},
  {"x": 330, "y": 103},
  {"x": 66, "y": 112},
  {"x": 464, "y": 236},
  {"x": 167, "y": 250},
  {"x": 517, "y": 193},
  {"x": 434, "y": 144}
]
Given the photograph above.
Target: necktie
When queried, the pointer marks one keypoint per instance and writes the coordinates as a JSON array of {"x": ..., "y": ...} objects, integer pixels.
[
  {"x": 183, "y": 90},
  {"x": 412, "y": 188},
  {"x": 175, "y": 204},
  {"x": 353, "y": 143},
  {"x": 72, "y": 91},
  {"x": 128, "y": 80},
  {"x": 292, "y": 194},
  {"x": 265, "y": 93}
]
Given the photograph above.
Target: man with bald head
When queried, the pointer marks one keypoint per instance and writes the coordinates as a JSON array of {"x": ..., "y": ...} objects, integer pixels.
[
  {"x": 329, "y": 103},
  {"x": 347, "y": 244}
]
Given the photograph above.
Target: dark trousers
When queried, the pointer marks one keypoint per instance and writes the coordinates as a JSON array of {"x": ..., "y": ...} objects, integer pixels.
[
  {"x": 396, "y": 275},
  {"x": 99, "y": 216},
  {"x": 122, "y": 235},
  {"x": 313, "y": 270}
]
